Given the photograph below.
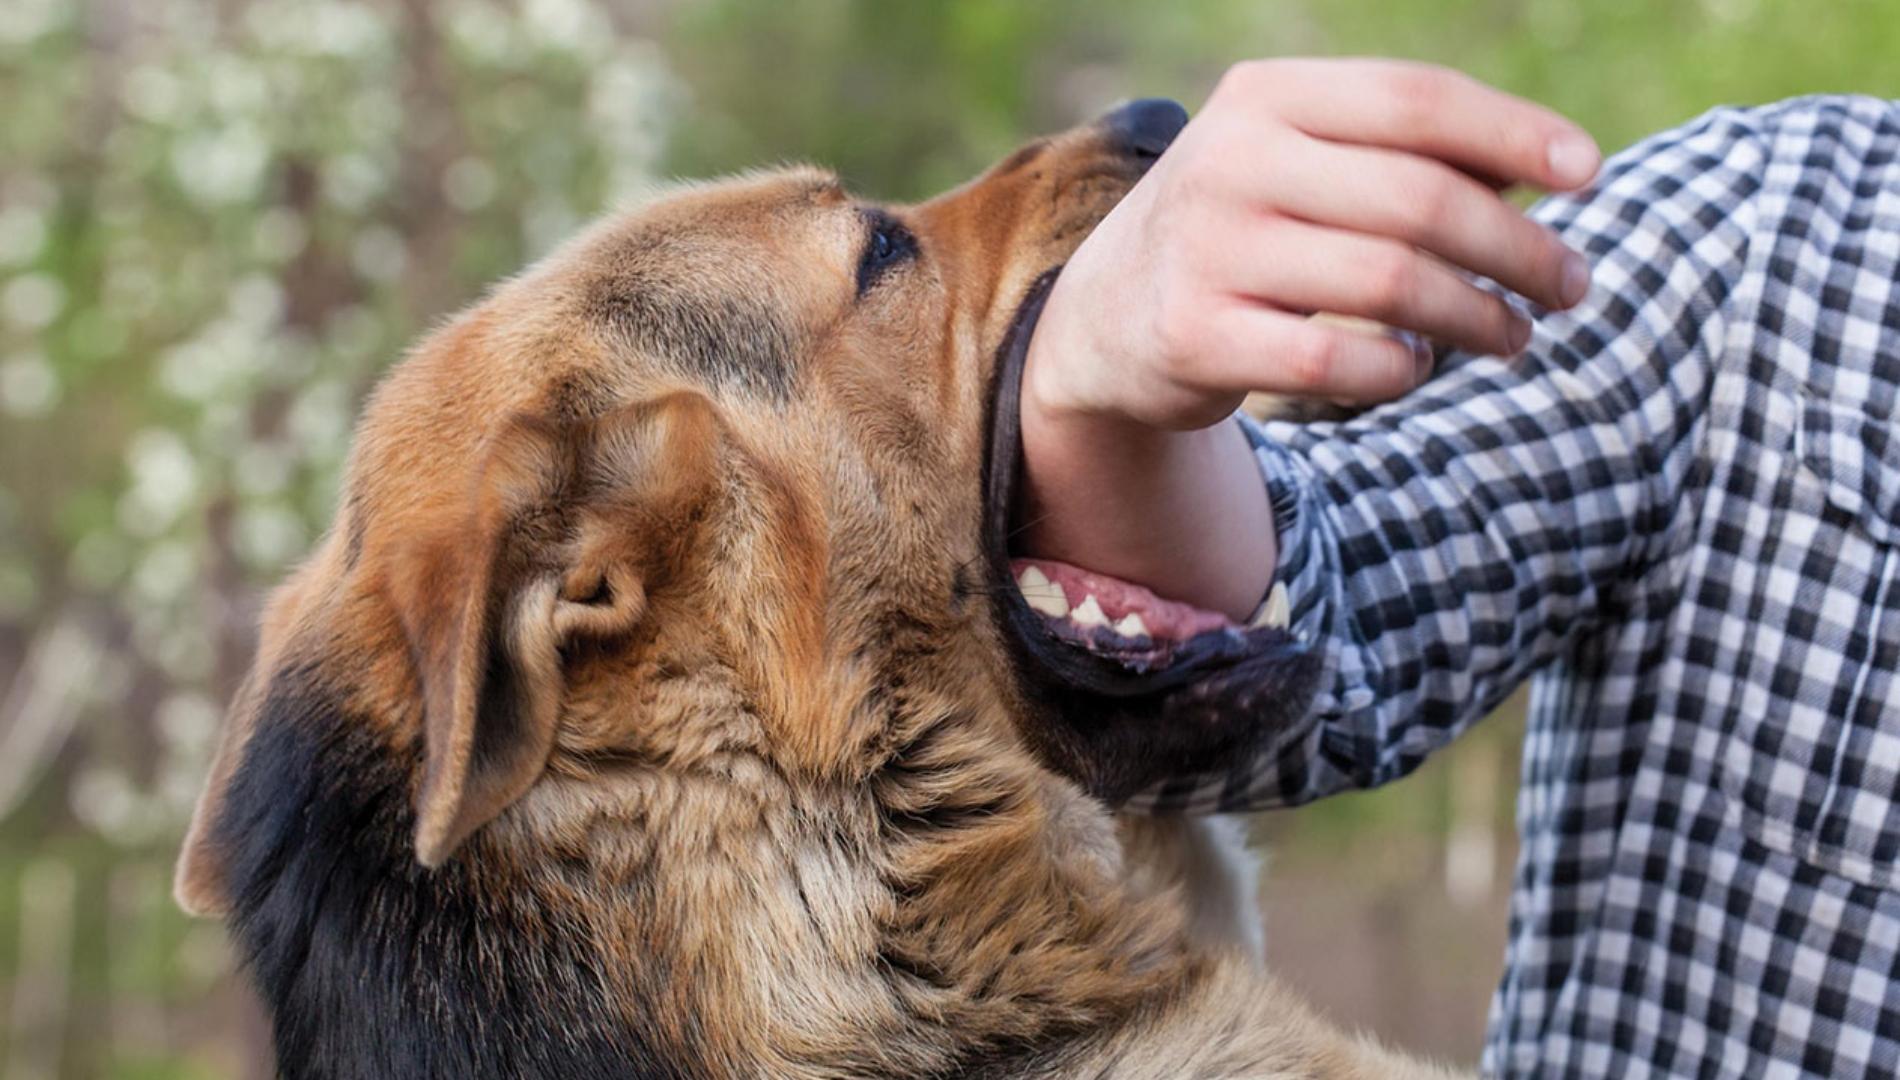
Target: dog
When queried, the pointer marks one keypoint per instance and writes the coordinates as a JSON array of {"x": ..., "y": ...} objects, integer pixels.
[{"x": 663, "y": 702}]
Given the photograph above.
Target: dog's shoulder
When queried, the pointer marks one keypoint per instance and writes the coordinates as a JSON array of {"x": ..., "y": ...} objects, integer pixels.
[{"x": 373, "y": 966}]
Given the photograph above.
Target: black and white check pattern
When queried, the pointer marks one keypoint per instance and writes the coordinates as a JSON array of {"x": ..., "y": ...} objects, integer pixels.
[{"x": 1679, "y": 517}]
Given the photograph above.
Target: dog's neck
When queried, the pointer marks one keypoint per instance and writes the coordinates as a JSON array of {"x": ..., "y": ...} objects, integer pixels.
[
  {"x": 951, "y": 909},
  {"x": 945, "y": 906}
]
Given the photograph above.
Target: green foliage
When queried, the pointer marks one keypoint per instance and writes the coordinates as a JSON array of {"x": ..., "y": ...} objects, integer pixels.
[
  {"x": 906, "y": 99},
  {"x": 909, "y": 97},
  {"x": 1623, "y": 68}
]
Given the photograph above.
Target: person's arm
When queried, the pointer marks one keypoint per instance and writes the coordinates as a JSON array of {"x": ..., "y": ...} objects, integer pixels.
[
  {"x": 1438, "y": 549},
  {"x": 1343, "y": 186}
]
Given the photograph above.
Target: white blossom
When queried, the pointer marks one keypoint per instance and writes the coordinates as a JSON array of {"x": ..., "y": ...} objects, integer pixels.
[
  {"x": 379, "y": 253},
  {"x": 31, "y": 301},
  {"x": 469, "y": 183},
  {"x": 278, "y": 235},
  {"x": 152, "y": 92},
  {"x": 221, "y": 165},
  {"x": 22, "y": 21},
  {"x": 22, "y": 234},
  {"x": 28, "y": 386},
  {"x": 268, "y": 535},
  {"x": 164, "y": 482}
]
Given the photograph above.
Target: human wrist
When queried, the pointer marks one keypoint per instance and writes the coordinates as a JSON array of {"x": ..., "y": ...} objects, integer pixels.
[{"x": 1180, "y": 511}]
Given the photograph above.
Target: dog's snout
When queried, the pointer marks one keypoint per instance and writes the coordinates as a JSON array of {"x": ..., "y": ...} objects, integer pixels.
[{"x": 1146, "y": 127}]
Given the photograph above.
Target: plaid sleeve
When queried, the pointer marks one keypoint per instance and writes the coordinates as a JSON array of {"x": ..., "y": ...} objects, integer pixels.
[{"x": 1439, "y": 549}]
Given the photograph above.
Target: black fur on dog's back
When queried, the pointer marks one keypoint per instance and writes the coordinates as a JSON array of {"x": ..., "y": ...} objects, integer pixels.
[{"x": 374, "y": 967}]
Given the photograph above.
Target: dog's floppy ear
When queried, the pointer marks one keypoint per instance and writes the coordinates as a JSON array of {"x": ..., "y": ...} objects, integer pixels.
[
  {"x": 558, "y": 546},
  {"x": 565, "y": 528}
]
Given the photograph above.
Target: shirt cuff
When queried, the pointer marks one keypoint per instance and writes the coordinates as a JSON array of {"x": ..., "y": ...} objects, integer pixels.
[
  {"x": 1309, "y": 569},
  {"x": 1301, "y": 568}
]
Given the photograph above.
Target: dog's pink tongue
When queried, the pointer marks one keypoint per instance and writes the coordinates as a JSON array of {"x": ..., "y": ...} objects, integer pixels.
[{"x": 1114, "y": 599}]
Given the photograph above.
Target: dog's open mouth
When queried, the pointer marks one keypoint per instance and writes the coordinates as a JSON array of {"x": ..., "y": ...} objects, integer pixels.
[
  {"x": 1128, "y": 687},
  {"x": 1124, "y": 621}
]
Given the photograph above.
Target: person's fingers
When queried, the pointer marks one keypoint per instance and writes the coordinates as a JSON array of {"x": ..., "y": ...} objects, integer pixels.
[
  {"x": 1423, "y": 109},
  {"x": 1305, "y": 267},
  {"x": 1428, "y": 205},
  {"x": 1244, "y": 347}
]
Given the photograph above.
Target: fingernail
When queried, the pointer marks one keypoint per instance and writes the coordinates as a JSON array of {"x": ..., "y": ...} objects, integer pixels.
[
  {"x": 1519, "y": 335},
  {"x": 1422, "y": 359},
  {"x": 1573, "y": 159},
  {"x": 1576, "y": 282}
]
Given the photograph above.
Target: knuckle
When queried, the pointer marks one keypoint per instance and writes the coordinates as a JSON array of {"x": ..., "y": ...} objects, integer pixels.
[
  {"x": 1418, "y": 91},
  {"x": 1177, "y": 331},
  {"x": 1432, "y": 203},
  {"x": 1444, "y": 196},
  {"x": 1245, "y": 77},
  {"x": 1409, "y": 83},
  {"x": 1195, "y": 180},
  {"x": 1309, "y": 359},
  {"x": 1391, "y": 282}
]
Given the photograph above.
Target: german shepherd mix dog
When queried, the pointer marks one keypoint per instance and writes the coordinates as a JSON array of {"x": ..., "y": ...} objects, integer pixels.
[{"x": 662, "y": 702}]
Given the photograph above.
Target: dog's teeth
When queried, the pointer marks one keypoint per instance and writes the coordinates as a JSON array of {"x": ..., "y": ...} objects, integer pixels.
[
  {"x": 1055, "y": 606},
  {"x": 1043, "y": 596},
  {"x": 1089, "y": 613},
  {"x": 1276, "y": 613},
  {"x": 1131, "y": 626}
]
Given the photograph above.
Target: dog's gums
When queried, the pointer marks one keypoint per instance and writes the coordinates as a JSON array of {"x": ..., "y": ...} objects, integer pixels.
[{"x": 1112, "y": 617}]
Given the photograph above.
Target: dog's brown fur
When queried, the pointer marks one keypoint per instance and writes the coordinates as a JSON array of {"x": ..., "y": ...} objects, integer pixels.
[{"x": 644, "y": 712}]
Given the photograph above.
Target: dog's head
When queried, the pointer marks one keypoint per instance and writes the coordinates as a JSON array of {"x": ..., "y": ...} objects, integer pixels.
[{"x": 725, "y": 483}]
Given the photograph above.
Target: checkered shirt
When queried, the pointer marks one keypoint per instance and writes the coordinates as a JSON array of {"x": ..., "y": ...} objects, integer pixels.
[{"x": 1678, "y": 517}]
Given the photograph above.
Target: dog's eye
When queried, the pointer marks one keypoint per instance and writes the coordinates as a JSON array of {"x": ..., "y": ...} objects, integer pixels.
[{"x": 888, "y": 244}]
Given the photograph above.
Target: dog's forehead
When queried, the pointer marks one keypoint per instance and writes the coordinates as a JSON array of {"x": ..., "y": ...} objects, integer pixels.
[
  {"x": 715, "y": 286},
  {"x": 792, "y": 202},
  {"x": 723, "y": 284}
]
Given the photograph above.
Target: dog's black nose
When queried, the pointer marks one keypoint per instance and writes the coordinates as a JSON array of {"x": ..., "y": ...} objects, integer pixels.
[{"x": 1146, "y": 127}]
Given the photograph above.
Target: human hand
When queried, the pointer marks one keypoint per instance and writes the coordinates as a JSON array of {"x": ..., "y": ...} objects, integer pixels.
[{"x": 1357, "y": 187}]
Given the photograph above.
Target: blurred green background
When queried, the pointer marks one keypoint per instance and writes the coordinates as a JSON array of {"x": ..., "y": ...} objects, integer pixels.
[{"x": 220, "y": 219}]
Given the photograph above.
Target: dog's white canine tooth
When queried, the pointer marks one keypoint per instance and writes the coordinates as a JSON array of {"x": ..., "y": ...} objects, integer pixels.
[
  {"x": 1055, "y": 606},
  {"x": 1043, "y": 596},
  {"x": 1131, "y": 626},
  {"x": 1089, "y": 613},
  {"x": 1276, "y": 613}
]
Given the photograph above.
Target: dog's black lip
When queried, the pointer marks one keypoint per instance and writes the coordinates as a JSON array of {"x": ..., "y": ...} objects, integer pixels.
[{"x": 1214, "y": 704}]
